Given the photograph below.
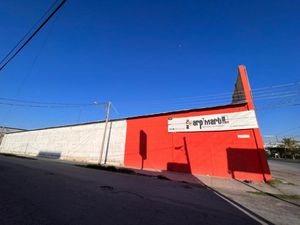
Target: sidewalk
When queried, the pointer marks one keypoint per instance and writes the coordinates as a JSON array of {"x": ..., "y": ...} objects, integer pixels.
[{"x": 218, "y": 183}]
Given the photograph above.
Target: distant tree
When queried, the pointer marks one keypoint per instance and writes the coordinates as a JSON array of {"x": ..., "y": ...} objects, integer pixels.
[{"x": 290, "y": 147}]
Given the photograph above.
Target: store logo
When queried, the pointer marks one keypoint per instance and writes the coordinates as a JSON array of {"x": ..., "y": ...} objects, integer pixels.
[
  {"x": 188, "y": 124},
  {"x": 207, "y": 122}
]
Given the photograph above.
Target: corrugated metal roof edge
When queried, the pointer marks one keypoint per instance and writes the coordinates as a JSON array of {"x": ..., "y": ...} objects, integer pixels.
[{"x": 135, "y": 117}]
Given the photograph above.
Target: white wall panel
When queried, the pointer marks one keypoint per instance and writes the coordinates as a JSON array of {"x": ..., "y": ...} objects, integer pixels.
[{"x": 79, "y": 143}]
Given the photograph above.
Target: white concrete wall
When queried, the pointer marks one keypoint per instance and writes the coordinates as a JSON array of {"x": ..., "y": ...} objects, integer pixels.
[{"x": 79, "y": 143}]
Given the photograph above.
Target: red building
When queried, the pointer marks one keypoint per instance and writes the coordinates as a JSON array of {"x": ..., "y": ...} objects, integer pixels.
[{"x": 222, "y": 141}]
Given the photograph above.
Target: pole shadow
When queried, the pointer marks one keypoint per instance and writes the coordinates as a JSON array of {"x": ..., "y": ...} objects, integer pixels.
[
  {"x": 181, "y": 167},
  {"x": 143, "y": 147},
  {"x": 108, "y": 142}
]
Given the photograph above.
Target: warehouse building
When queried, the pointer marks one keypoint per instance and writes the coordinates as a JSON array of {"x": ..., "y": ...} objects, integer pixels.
[{"x": 222, "y": 141}]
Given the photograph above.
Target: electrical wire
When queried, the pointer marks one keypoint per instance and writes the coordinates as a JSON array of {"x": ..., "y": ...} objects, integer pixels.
[
  {"x": 115, "y": 109},
  {"x": 266, "y": 94},
  {"x": 256, "y": 93},
  {"x": 31, "y": 36},
  {"x": 51, "y": 103},
  {"x": 30, "y": 30},
  {"x": 44, "y": 106},
  {"x": 263, "y": 94}
]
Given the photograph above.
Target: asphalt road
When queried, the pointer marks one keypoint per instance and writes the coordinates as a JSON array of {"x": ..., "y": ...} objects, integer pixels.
[
  {"x": 45, "y": 192},
  {"x": 288, "y": 171},
  {"x": 281, "y": 164}
]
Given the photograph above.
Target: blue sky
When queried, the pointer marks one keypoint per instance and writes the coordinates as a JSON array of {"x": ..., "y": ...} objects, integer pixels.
[{"x": 135, "y": 52}]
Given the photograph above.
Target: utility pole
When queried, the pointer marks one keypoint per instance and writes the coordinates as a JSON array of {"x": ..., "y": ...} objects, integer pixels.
[
  {"x": 104, "y": 132},
  {"x": 1, "y": 133}
]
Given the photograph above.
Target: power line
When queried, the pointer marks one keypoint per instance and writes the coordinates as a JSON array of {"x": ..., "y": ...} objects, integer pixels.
[
  {"x": 262, "y": 95},
  {"x": 30, "y": 37},
  {"x": 115, "y": 109},
  {"x": 30, "y": 30},
  {"x": 204, "y": 98},
  {"x": 278, "y": 106},
  {"x": 50, "y": 103},
  {"x": 257, "y": 93},
  {"x": 36, "y": 104},
  {"x": 285, "y": 96},
  {"x": 45, "y": 106},
  {"x": 289, "y": 130},
  {"x": 223, "y": 100}
]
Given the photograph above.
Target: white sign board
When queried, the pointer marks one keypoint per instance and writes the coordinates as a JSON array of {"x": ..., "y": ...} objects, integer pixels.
[{"x": 214, "y": 122}]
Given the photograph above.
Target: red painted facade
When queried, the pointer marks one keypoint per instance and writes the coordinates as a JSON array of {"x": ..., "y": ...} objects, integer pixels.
[{"x": 149, "y": 145}]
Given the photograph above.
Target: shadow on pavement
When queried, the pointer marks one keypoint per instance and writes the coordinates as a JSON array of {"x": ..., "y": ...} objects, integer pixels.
[
  {"x": 202, "y": 206},
  {"x": 218, "y": 198}
]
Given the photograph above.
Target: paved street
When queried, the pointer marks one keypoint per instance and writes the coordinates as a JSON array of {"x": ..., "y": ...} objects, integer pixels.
[
  {"x": 46, "y": 192},
  {"x": 281, "y": 165},
  {"x": 288, "y": 171}
]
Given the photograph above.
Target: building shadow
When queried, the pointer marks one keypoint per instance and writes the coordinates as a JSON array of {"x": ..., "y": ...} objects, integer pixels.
[
  {"x": 143, "y": 147},
  {"x": 246, "y": 160},
  {"x": 182, "y": 173},
  {"x": 108, "y": 143},
  {"x": 181, "y": 167},
  {"x": 239, "y": 214},
  {"x": 49, "y": 155}
]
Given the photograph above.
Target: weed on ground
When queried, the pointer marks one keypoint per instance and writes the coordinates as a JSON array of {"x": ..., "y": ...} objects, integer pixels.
[
  {"x": 275, "y": 182},
  {"x": 282, "y": 196}
]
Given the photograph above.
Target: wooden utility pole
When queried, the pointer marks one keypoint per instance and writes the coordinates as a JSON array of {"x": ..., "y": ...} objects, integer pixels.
[{"x": 104, "y": 132}]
